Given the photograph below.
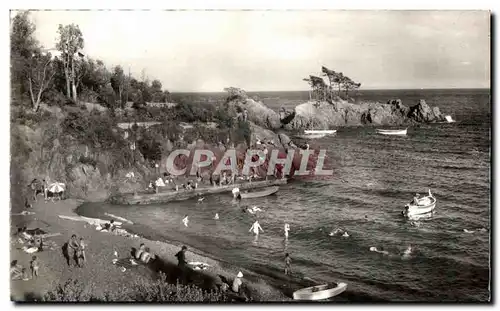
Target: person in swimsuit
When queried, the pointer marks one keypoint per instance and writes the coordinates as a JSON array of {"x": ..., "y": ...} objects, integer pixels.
[
  {"x": 139, "y": 251},
  {"x": 34, "y": 267},
  {"x": 256, "y": 227},
  {"x": 288, "y": 264},
  {"x": 146, "y": 256},
  {"x": 287, "y": 228}
]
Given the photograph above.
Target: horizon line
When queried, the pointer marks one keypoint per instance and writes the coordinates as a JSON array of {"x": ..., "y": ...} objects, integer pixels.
[{"x": 366, "y": 89}]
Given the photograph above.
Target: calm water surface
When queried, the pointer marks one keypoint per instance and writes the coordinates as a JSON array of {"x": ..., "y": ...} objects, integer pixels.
[{"x": 374, "y": 177}]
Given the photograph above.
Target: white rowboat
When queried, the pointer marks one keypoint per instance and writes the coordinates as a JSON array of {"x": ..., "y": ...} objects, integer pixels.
[
  {"x": 320, "y": 131},
  {"x": 259, "y": 194},
  {"x": 425, "y": 206},
  {"x": 319, "y": 292},
  {"x": 392, "y": 132},
  {"x": 449, "y": 119},
  {"x": 312, "y": 136}
]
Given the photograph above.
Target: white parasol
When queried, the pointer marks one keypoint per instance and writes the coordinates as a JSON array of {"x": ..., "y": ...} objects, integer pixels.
[{"x": 56, "y": 187}]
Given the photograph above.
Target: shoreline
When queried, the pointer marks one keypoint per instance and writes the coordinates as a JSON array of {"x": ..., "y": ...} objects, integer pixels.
[
  {"x": 99, "y": 268},
  {"x": 166, "y": 196}
]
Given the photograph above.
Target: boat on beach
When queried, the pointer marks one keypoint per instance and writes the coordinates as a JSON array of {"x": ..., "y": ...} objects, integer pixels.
[
  {"x": 259, "y": 194},
  {"x": 392, "y": 132},
  {"x": 320, "y": 292},
  {"x": 424, "y": 206}
]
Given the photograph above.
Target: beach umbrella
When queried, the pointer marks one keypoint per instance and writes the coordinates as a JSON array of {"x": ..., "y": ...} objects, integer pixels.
[{"x": 56, "y": 187}]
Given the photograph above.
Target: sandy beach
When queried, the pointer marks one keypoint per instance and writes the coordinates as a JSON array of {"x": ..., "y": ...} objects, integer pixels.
[{"x": 99, "y": 272}]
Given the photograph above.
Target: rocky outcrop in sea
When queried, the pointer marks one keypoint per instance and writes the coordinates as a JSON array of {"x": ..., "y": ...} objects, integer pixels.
[{"x": 322, "y": 115}]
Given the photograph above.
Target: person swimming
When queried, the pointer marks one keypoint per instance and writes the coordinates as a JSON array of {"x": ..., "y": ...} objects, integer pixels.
[
  {"x": 216, "y": 216},
  {"x": 382, "y": 251},
  {"x": 337, "y": 231},
  {"x": 407, "y": 252}
]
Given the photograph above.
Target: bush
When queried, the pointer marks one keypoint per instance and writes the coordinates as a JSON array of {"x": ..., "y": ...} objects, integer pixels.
[
  {"x": 88, "y": 161},
  {"x": 140, "y": 290},
  {"x": 55, "y": 98},
  {"x": 29, "y": 118},
  {"x": 188, "y": 112},
  {"x": 241, "y": 133},
  {"x": 99, "y": 133}
]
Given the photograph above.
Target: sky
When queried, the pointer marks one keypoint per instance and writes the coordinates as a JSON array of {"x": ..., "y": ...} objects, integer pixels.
[{"x": 206, "y": 51}]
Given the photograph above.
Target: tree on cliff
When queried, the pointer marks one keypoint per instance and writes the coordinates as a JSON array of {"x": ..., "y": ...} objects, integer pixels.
[
  {"x": 349, "y": 85},
  {"x": 332, "y": 78},
  {"x": 319, "y": 88},
  {"x": 31, "y": 70},
  {"x": 40, "y": 74},
  {"x": 70, "y": 43},
  {"x": 118, "y": 81},
  {"x": 22, "y": 46}
]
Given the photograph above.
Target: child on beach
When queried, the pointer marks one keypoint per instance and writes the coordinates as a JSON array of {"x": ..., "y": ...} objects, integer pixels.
[
  {"x": 288, "y": 264},
  {"x": 25, "y": 275},
  {"x": 82, "y": 250},
  {"x": 34, "y": 267},
  {"x": 15, "y": 270}
]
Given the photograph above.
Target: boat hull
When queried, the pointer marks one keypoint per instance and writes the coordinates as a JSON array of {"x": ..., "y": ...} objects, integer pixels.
[
  {"x": 417, "y": 210},
  {"x": 312, "y": 136},
  {"x": 259, "y": 194},
  {"x": 319, "y": 292},
  {"x": 320, "y": 131},
  {"x": 392, "y": 132}
]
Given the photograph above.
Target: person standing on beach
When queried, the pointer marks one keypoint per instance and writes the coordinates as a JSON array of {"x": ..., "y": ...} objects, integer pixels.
[
  {"x": 237, "y": 282},
  {"x": 185, "y": 220},
  {"x": 288, "y": 264},
  {"x": 34, "y": 267},
  {"x": 74, "y": 246},
  {"x": 82, "y": 250},
  {"x": 181, "y": 256}
]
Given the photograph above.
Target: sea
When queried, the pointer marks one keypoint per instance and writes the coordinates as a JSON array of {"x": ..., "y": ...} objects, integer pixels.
[{"x": 374, "y": 176}]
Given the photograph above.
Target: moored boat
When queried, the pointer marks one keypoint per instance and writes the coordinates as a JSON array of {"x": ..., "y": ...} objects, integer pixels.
[
  {"x": 320, "y": 131},
  {"x": 392, "y": 132},
  {"x": 424, "y": 206},
  {"x": 320, "y": 292},
  {"x": 449, "y": 119},
  {"x": 312, "y": 136},
  {"x": 259, "y": 194}
]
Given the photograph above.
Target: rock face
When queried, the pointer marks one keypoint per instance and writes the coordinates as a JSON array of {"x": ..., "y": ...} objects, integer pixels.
[
  {"x": 259, "y": 113},
  {"x": 323, "y": 115},
  {"x": 423, "y": 113}
]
